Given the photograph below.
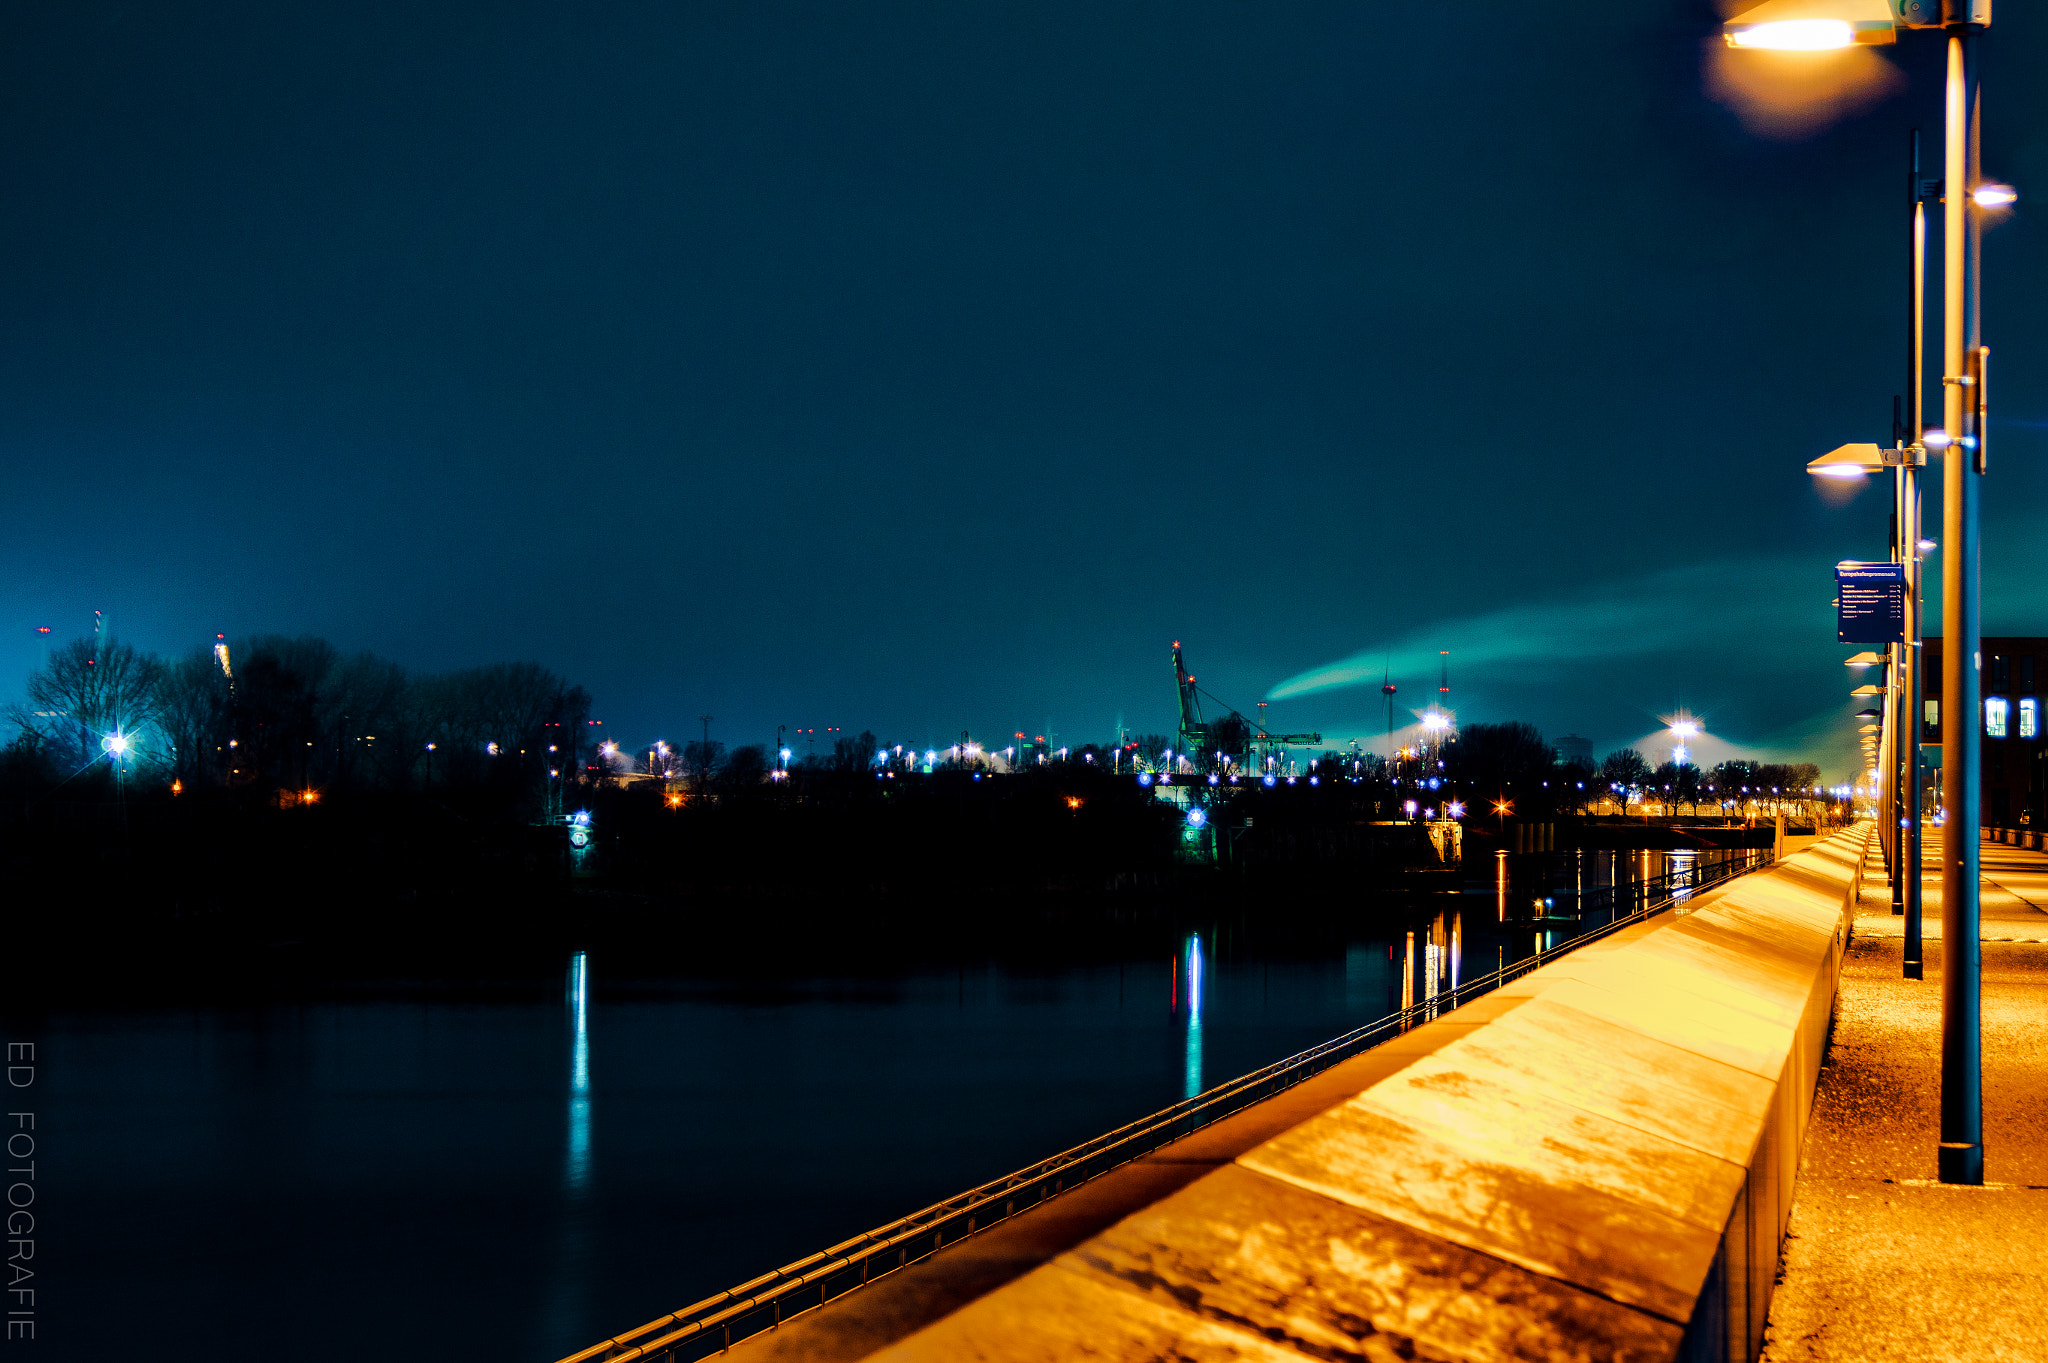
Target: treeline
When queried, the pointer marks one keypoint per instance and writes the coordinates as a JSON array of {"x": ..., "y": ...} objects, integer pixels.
[
  {"x": 277, "y": 712},
  {"x": 1511, "y": 761}
]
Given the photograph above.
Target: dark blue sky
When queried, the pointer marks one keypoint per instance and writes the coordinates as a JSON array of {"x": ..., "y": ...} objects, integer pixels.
[{"x": 931, "y": 367}]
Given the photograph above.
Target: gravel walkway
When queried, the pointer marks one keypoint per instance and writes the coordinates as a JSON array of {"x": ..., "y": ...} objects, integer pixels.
[{"x": 1882, "y": 1261}]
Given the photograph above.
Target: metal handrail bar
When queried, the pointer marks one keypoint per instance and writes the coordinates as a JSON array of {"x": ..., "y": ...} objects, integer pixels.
[
  {"x": 1636, "y": 888},
  {"x": 709, "y": 1324}
]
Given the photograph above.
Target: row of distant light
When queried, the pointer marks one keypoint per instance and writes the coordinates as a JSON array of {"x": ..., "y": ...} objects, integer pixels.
[{"x": 1145, "y": 778}]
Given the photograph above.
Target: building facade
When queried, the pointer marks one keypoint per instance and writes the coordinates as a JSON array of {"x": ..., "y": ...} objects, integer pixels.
[{"x": 2009, "y": 729}]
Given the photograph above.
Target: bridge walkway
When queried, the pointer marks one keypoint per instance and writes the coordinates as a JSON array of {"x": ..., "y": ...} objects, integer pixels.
[{"x": 1883, "y": 1262}]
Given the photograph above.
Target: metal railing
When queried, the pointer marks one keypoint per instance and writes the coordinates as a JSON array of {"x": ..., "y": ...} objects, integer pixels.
[
  {"x": 1637, "y": 893},
  {"x": 762, "y": 1303}
]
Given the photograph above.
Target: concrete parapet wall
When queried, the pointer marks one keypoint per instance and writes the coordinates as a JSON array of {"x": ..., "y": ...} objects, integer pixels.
[{"x": 1595, "y": 1162}]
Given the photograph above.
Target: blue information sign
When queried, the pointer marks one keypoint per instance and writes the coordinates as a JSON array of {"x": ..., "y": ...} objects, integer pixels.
[{"x": 1870, "y": 604}]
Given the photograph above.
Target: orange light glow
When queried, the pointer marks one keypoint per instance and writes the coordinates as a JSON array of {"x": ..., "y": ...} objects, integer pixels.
[
  {"x": 1790, "y": 95},
  {"x": 311, "y": 797},
  {"x": 1073, "y": 802},
  {"x": 675, "y": 801}
]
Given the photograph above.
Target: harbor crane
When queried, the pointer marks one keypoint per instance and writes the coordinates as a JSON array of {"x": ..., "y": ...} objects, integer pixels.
[{"x": 1195, "y": 732}]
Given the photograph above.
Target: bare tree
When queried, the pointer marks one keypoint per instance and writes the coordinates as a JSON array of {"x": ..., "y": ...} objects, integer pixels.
[
  {"x": 194, "y": 720},
  {"x": 90, "y": 693},
  {"x": 1624, "y": 771}
]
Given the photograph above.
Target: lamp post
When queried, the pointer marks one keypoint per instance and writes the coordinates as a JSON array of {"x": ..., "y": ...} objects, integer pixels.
[{"x": 1814, "y": 25}]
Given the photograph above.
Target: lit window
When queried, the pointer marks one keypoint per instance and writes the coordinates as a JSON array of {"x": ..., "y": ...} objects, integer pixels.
[
  {"x": 1933, "y": 714},
  {"x": 2030, "y": 717},
  {"x": 1995, "y": 708}
]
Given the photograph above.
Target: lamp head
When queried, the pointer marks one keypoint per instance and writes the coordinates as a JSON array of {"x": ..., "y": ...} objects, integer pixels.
[
  {"x": 1815, "y": 25},
  {"x": 1847, "y": 461}
]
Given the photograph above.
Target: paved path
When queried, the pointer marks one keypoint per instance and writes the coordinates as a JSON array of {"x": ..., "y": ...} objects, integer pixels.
[{"x": 1883, "y": 1262}]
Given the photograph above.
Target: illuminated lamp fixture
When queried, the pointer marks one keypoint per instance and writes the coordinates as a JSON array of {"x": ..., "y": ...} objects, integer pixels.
[
  {"x": 1860, "y": 461},
  {"x": 1812, "y": 25}
]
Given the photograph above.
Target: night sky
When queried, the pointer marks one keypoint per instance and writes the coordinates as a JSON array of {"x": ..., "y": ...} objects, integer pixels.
[{"x": 933, "y": 367}]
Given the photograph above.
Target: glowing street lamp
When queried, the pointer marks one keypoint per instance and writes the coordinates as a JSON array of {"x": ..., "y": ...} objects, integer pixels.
[
  {"x": 1809, "y": 25},
  {"x": 1812, "y": 25}
]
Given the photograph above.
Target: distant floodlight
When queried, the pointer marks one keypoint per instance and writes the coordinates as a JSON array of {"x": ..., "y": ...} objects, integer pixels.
[
  {"x": 1995, "y": 196},
  {"x": 1196, "y": 818},
  {"x": 116, "y": 744},
  {"x": 1686, "y": 728}
]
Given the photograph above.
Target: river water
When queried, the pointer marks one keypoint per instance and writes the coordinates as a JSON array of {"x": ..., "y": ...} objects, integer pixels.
[{"x": 514, "y": 1176}]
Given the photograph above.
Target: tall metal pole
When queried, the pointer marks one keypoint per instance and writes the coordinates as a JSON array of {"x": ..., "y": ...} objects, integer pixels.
[
  {"x": 1962, "y": 1095},
  {"x": 1916, "y": 379}
]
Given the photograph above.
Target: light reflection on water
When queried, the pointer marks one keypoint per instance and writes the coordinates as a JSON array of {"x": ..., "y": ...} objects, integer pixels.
[
  {"x": 570, "y": 1282},
  {"x": 452, "y": 1141}
]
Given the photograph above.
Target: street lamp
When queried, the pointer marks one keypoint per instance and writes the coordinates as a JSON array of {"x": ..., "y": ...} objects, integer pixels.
[{"x": 1803, "y": 25}]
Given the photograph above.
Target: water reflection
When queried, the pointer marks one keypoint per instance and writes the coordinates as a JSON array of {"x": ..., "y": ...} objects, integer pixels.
[
  {"x": 1192, "y": 1077},
  {"x": 569, "y": 1284},
  {"x": 1684, "y": 878},
  {"x": 576, "y": 1170}
]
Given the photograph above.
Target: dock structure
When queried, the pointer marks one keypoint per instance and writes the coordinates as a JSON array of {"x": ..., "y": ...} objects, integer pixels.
[{"x": 1594, "y": 1161}]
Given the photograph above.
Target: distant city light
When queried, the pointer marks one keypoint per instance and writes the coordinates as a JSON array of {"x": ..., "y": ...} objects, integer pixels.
[
  {"x": 1196, "y": 818},
  {"x": 116, "y": 744}
]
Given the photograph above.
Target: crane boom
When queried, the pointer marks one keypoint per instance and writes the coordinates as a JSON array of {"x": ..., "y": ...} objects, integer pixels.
[{"x": 1193, "y": 732}]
